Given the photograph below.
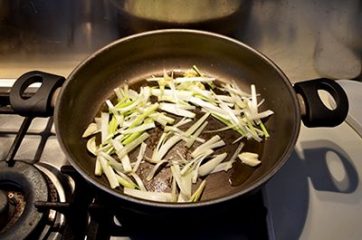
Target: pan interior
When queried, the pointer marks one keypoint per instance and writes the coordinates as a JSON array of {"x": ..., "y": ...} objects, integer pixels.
[{"x": 133, "y": 59}]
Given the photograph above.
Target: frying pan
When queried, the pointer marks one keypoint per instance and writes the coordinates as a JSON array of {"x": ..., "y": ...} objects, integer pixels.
[{"x": 139, "y": 56}]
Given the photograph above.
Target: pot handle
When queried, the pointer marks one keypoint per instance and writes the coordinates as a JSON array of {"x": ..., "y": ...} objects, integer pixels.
[
  {"x": 316, "y": 113},
  {"x": 40, "y": 104}
]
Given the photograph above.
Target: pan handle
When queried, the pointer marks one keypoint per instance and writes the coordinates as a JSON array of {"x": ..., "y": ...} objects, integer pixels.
[
  {"x": 40, "y": 104},
  {"x": 316, "y": 113}
]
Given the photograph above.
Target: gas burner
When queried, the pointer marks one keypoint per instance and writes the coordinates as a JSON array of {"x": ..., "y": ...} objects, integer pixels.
[
  {"x": 61, "y": 188},
  {"x": 24, "y": 189},
  {"x": 21, "y": 185}
]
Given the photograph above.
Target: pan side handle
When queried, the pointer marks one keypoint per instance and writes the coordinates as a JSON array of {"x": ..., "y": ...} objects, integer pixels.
[
  {"x": 41, "y": 104},
  {"x": 316, "y": 113}
]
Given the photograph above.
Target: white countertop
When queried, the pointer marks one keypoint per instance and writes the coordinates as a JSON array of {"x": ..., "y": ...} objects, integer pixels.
[{"x": 318, "y": 193}]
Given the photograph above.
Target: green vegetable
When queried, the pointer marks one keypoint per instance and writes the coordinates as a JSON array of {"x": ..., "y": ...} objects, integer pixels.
[{"x": 132, "y": 116}]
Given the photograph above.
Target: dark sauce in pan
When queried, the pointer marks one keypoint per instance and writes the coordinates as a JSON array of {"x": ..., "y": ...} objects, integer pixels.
[{"x": 239, "y": 172}]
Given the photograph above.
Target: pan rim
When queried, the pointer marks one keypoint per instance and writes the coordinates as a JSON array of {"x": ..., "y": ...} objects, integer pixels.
[{"x": 256, "y": 185}]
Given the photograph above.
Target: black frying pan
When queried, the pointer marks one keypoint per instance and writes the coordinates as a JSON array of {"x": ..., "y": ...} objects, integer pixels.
[{"x": 139, "y": 56}]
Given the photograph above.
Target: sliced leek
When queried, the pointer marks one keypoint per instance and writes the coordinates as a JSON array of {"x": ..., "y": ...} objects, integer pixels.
[{"x": 131, "y": 116}]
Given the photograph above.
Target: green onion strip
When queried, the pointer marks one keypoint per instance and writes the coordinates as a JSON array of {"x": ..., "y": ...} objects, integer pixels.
[{"x": 131, "y": 117}]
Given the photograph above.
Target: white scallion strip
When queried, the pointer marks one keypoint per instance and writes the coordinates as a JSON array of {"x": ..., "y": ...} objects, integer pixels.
[
  {"x": 140, "y": 128},
  {"x": 126, "y": 163},
  {"x": 91, "y": 129},
  {"x": 139, "y": 119},
  {"x": 182, "y": 122},
  {"x": 124, "y": 182},
  {"x": 118, "y": 93},
  {"x": 229, "y": 113},
  {"x": 180, "y": 94},
  {"x": 152, "y": 196},
  {"x": 183, "y": 134},
  {"x": 264, "y": 114},
  {"x": 250, "y": 159},
  {"x": 250, "y": 154},
  {"x": 219, "y": 130},
  {"x": 238, "y": 139},
  {"x": 98, "y": 171},
  {"x": 161, "y": 150},
  {"x": 187, "y": 183},
  {"x": 204, "y": 104},
  {"x": 182, "y": 158},
  {"x": 217, "y": 144},
  {"x": 104, "y": 126},
  {"x": 198, "y": 162},
  {"x": 130, "y": 107},
  {"x": 158, "y": 155},
  {"x": 193, "y": 79},
  {"x": 237, "y": 152},
  {"x": 181, "y": 198},
  {"x": 205, "y": 146},
  {"x": 127, "y": 180},
  {"x": 206, "y": 168},
  {"x": 140, "y": 156},
  {"x": 176, "y": 110},
  {"x": 109, "y": 104},
  {"x": 261, "y": 102},
  {"x": 225, "y": 98},
  {"x": 174, "y": 190},
  {"x": 91, "y": 146},
  {"x": 233, "y": 88},
  {"x": 254, "y": 102},
  {"x": 162, "y": 118},
  {"x": 139, "y": 182},
  {"x": 112, "y": 162},
  {"x": 188, "y": 166},
  {"x": 155, "y": 168},
  {"x": 197, "y": 194},
  {"x": 155, "y": 158},
  {"x": 176, "y": 173},
  {"x": 128, "y": 148},
  {"x": 206, "y": 94},
  {"x": 190, "y": 141},
  {"x": 105, "y": 148},
  {"x": 197, "y": 124},
  {"x": 110, "y": 174},
  {"x": 224, "y": 166}
]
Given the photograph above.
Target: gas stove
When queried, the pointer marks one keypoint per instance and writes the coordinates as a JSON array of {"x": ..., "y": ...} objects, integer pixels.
[
  {"x": 316, "y": 195},
  {"x": 43, "y": 197}
]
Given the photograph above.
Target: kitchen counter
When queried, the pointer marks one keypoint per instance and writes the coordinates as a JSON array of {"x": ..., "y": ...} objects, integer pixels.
[{"x": 318, "y": 193}]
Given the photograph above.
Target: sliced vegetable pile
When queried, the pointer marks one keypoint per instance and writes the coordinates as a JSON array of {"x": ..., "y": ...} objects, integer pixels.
[{"x": 170, "y": 103}]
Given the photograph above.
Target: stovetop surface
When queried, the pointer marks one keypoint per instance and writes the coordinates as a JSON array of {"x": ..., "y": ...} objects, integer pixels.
[{"x": 317, "y": 194}]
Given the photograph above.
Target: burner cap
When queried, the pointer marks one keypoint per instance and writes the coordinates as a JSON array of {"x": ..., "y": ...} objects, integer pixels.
[{"x": 22, "y": 185}]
